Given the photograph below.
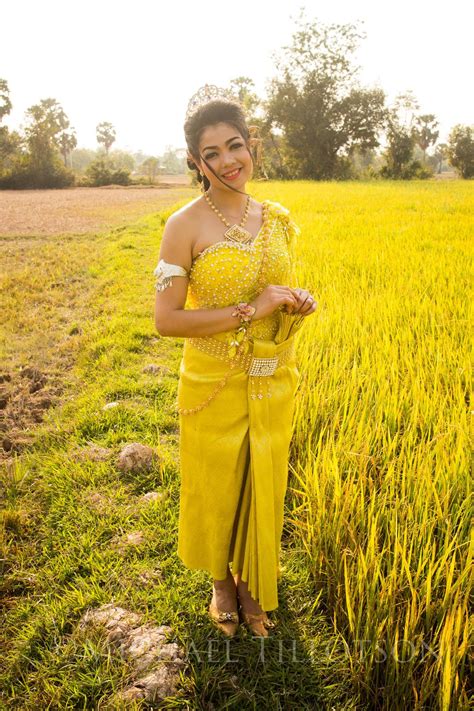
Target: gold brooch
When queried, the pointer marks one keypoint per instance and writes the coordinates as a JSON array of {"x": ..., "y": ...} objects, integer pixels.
[{"x": 228, "y": 617}]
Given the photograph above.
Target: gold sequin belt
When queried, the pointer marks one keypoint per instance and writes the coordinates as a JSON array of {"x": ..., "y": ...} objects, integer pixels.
[{"x": 254, "y": 366}]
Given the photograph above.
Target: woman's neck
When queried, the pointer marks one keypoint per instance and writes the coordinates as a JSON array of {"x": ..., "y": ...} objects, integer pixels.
[{"x": 228, "y": 201}]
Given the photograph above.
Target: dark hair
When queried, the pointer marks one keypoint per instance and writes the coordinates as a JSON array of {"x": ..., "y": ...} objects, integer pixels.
[{"x": 209, "y": 114}]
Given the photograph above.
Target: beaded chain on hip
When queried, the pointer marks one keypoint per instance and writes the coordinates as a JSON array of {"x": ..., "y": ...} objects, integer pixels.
[{"x": 235, "y": 360}]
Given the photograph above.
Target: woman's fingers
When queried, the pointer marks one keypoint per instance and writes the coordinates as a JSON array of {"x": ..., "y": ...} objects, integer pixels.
[
  {"x": 309, "y": 309},
  {"x": 286, "y": 290},
  {"x": 307, "y": 304},
  {"x": 288, "y": 298},
  {"x": 295, "y": 300},
  {"x": 305, "y": 301}
]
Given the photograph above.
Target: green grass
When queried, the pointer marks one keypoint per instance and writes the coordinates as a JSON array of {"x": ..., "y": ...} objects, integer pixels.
[
  {"x": 58, "y": 554},
  {"x": 377, "y": 542}
]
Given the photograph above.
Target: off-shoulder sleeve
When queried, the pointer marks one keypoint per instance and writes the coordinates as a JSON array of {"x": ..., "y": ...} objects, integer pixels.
[{"x": 164, "y": 273}]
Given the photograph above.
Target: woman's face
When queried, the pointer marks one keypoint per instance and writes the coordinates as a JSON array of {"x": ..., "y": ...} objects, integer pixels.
[{"x": 225, "y": 151}]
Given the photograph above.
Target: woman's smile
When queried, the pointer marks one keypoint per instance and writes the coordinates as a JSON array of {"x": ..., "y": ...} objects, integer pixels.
[{"x": 232, "y": 175}]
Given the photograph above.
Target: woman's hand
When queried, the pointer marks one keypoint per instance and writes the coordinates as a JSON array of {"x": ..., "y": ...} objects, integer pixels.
[
  {"x": 271, "y": 298},
  {"x": 306, "y": 304}
]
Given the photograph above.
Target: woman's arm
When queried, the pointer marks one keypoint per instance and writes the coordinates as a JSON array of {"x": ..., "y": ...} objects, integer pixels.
[{"x": 172, "y": 319}]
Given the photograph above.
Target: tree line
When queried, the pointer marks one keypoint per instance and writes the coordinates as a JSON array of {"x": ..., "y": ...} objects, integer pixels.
[
  {"x": 46, "y": 154},
  {"x": 316, "y": 122}
]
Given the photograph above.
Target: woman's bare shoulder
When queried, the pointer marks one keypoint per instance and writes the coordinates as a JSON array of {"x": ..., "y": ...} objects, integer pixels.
[
  {"x": 179, "y": 235},
  {"x": 186, "y": 215}
]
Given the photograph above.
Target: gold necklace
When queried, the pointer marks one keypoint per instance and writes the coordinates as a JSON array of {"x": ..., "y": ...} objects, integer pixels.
[{"x": 235, "y": 233}]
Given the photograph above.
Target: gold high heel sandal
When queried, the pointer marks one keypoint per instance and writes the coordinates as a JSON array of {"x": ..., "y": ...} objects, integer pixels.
[
  {"x": 227, "y": 622},
  {"x": 258, "y": 624}
]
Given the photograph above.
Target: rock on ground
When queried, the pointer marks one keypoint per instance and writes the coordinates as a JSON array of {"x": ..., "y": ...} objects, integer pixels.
[
  {"x": 157, "y": 662},
  {"x": 137, "y": 457}
]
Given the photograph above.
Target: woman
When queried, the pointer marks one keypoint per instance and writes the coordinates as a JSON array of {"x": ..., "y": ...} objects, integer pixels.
[{"x": 238, "y": 373}]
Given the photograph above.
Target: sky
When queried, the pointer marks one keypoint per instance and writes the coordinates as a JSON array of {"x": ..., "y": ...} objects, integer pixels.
[{"x": 137, "y": 64}]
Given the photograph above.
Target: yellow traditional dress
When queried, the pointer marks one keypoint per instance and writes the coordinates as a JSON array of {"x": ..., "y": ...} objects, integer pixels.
[{"x": 236, "y": 413}]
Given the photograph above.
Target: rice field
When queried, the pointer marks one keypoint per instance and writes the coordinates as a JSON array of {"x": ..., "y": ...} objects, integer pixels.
[
  {"x": 382, "y": 479},
  {"x": 377, "y": 547}
]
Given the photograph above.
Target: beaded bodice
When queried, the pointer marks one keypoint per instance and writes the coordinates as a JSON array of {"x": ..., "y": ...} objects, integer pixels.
[{"x": 227, "y": 272}]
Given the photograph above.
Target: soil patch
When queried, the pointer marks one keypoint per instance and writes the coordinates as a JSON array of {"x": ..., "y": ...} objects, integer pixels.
[{"x": 83, "y": 210}]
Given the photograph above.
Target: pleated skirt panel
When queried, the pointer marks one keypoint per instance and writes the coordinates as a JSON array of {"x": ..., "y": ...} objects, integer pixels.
[{"x": 234, "y": 469}]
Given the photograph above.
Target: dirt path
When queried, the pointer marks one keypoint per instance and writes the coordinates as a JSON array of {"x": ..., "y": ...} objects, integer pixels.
[{"x": 82, "y": 210}]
